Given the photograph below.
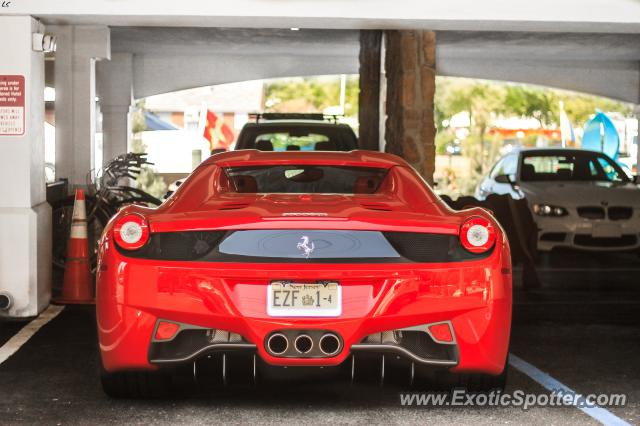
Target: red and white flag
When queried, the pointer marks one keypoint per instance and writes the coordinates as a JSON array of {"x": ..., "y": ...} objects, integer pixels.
[{"x": 217, "y": 132}]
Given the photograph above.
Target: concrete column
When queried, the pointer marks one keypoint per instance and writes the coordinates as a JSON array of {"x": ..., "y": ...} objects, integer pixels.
[
  {"x": 25, "y": 216},
  {"x": 410, "y": 67},
  {"x": 78, "y": 48},
  {"x": 115, "y": 89}
]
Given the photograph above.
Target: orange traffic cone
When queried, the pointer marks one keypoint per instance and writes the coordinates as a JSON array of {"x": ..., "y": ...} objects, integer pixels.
[{"x": 78, "y": 283}]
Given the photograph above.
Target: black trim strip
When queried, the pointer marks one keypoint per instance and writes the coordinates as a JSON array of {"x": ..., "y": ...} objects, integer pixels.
[
  {"x": 203, "y": 246},
  {"x": 402, "y": 351},
  {"x": 217, "y": 347}
]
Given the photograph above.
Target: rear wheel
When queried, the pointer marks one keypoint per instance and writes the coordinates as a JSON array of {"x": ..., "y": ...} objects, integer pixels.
[
  {"x": 483, "y": 383},
  {"x": 136, "y": 384},
  {"x": 444, "y": 381}
]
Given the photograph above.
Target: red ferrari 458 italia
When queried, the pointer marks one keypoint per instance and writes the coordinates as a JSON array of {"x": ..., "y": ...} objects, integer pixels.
[{"x": 303, "y": 259}]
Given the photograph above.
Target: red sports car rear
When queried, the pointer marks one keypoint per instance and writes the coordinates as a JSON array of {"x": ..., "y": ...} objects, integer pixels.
[{"x": 303, "y": 259}]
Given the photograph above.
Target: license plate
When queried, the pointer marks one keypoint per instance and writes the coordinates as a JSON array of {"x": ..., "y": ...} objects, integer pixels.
[
  {"x": 288, "y": 299},
  {"x": 606, "y": 230}
]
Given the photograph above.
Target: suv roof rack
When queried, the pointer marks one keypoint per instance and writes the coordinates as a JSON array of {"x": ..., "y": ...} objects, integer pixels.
[{"x": 293, "y": 116}]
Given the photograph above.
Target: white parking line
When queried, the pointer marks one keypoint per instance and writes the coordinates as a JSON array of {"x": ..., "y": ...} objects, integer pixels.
[
  {"x": 23, "y": 336},
  {"x": 602, "y": 415}
]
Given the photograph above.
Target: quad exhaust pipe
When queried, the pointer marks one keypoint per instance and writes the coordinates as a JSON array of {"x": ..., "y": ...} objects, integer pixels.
[
  {"x": 303, "y": 343},
  {"x": 329, "y": 344},
  {"x": 313, "y": 343},
  {"x": 278, "y": 344}
]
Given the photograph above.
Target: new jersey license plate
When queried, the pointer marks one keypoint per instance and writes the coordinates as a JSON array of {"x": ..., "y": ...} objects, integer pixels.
[{"x": 289, "y": 299}]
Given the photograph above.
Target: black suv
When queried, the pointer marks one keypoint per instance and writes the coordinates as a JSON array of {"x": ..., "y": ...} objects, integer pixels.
[{"x": 296, "y": 132}]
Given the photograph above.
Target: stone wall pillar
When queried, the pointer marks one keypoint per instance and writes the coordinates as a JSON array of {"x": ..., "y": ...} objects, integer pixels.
[
  {"x": 636, "y": 110},
  {"x": 410, "y": 65},
  {"x": 369, "y": 97}
]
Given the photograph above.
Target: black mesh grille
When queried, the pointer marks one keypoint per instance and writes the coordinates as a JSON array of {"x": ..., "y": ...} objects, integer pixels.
[
  {"x": 417, "y": 342},
  {"x": 189, "y": 342},
  {"x": 178, "y": 245},
  {"x": 205, "y": 247},
  {"x": 183, "y": 345},
  {"x": 431, "y": 248},
  {"x": 589, "y": 241},
  {"x": 591, "y": 212},
  {"x": 553, "y": 236},
  {"x": 620, "y": 213},
  {"x": 422, "y": 344}
]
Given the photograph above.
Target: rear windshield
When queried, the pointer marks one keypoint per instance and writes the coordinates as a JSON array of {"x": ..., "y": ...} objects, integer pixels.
[
  {"x": 297, "y": 138},
  {"x": 578, "y": 166},
  {"x": 283, "y": 141},
  {"x": 305, "y": 179}
]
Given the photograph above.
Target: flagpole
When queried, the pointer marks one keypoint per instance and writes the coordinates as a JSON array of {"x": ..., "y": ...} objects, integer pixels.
[
  {"x": 203, "y": 118},
  {"x": 563, "y": 137},
  {"x": 343, "y": 92}
]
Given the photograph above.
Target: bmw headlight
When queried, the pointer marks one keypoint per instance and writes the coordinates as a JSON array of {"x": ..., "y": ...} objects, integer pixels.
[{"x": 549, "y": 210}]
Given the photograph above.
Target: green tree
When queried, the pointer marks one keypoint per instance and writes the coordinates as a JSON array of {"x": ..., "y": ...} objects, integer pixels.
[
  {"x": 311, "y": 94},
  {"x": 580, "y": 107},
  {"x": 482, "y": 101},
  {"x": 527, "y": 101},
  {"x": 147, "y": 180}
]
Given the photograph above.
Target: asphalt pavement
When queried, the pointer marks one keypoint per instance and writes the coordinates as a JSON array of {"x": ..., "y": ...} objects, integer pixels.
[{"x": 580, "y": 327}]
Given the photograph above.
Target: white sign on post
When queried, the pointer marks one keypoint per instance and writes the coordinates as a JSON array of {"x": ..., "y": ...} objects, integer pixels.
[{"x": 12, "y": 105}]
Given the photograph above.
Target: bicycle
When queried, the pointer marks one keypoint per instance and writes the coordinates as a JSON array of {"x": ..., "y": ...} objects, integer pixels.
[{"x": 106, "y": 194}]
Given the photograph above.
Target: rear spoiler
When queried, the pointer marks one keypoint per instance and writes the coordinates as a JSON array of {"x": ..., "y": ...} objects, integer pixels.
[{"x": 293, "y": 116}]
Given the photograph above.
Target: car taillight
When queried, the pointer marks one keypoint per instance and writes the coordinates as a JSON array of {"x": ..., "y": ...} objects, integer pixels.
[
  {"x": 131, "y": 231},
  {"x": 477, "y": 235}
]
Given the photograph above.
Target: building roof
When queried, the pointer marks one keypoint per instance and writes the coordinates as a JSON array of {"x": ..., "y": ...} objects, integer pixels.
[{"x": 243, "y": 97}]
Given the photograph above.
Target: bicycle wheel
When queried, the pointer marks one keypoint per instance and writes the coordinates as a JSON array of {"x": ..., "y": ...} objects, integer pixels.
[{"x": 130, "y": 195}]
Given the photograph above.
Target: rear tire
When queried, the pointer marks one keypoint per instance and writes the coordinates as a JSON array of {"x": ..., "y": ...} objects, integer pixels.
[
  {"x": 136, "y": 384},
  {"x": 482, "y": 383},
  {"x": 427, "y": 379}
]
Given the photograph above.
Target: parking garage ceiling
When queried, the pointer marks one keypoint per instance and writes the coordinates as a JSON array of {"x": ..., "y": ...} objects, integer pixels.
[
  {"x": 542, "y": 46},
  {"x": 601, "y": 64},
  {"x": 224, "y": 55},
  {"x": 451, "y": 44},
  {"x": 612, "y": 16},
  {"x": 246, "y": 41}
]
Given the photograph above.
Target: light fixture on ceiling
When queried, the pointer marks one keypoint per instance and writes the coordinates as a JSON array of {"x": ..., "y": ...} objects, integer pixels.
[
  {"x": 295, "y": 29},
  {"x": 49, "y": 94},
  {"x": 43, "y": 42}
]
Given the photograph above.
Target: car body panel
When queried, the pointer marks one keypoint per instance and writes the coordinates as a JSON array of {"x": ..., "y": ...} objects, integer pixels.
[
  {"x": 473, "y": 295},
  {"x": 476, "y": 298}
]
